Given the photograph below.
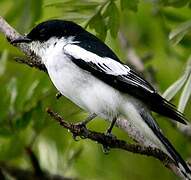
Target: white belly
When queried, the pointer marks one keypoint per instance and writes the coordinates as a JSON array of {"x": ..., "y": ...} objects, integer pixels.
[
  {"x": 95, "y": 96},
  {"x": 83, "y": 89}
]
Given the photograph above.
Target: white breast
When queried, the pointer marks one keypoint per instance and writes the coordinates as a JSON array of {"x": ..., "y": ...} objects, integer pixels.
[{"x": 80, "y": 86}]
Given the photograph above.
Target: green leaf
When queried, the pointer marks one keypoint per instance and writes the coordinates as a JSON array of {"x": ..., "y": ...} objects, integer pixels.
[
  {"x": 12, "y": 90},
  {"x": 111, "y": 14},
  {"x": 178, "y": 34},
  {"x": 98, "y": 24},
  {"x": 11, "y": 148},
  {"x": 3, "y": 62},
  {"x": 72, "y": 5},
  {"x": 129, "y": 4},
  {"x": 38, "y": 115},
  {"x": 23, "y": 121},
  {"x": 15, "y": 11},
  {"x": 185, "y": 95},
  {"x": 173, "y": 16},
  {"x": 5, "y": 132},
  {"x": 36, "y": 9},
  {"x": 175, "y": 87},
  {"x": 174, "y": 3},
  {"x": 31, "y": 90}
]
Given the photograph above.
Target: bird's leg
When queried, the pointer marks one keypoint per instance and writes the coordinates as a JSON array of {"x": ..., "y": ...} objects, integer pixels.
[
  {"x": 88, "y": 119},
  {"x": 105, "y": 148},
  {"x": 108, "y": 132},
  {"x": 58, "y": 95},
  {"x": 84, "y": 123}
]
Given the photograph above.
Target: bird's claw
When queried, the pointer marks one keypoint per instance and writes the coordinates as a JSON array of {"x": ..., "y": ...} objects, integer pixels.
[
  {"x": 75, "y": 137},
  {"x": 105, "y": 148},
  {"x": 109, "y": 134},
  {"x": 83, "y": 129},
  {"x": 58, "y": 95}
]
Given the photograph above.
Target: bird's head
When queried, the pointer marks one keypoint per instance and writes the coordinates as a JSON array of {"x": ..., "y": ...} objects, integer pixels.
[{"x": 49, "y": 33}]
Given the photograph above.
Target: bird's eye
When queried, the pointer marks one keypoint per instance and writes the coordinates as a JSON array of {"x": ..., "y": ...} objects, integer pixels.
[{"x": 41, "y": 31}]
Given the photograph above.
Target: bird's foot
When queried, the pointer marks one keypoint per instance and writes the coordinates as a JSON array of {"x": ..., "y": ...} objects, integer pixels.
[
  {"x": 82, "y": 128},
  {"x": 105, "y": 148},
  {"x": 58, "y": 95},
  {"x": 109, "y": 134}
]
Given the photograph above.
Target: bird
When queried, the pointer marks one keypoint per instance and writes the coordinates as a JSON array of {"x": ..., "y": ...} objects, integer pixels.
[{"x": 86, "y": 71}]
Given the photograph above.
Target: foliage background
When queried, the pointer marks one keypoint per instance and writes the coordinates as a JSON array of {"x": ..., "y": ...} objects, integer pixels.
[{"x": 26, "y": 92}]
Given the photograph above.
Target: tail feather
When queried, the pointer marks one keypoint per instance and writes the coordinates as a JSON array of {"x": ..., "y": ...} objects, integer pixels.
[
  {"x": 167, "y": 109},
  {"x": 179, "y": 162}
]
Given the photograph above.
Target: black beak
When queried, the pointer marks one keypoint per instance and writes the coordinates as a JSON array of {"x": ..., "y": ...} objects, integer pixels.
[{"x": 23, "y": 39}]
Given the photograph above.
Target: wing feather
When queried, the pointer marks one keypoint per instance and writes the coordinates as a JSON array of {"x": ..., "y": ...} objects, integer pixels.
[{"x": 122, "y": 78}]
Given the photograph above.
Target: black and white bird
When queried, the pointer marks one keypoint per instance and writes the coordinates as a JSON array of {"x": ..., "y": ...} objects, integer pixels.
[{"x": 87, "y": 71}]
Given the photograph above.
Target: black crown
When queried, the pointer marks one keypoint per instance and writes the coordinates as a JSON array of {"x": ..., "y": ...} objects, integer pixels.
[{"x": 54, "y": 28}]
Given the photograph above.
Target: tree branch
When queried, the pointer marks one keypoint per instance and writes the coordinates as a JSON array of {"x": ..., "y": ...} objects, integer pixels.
[
  {"x": 112, "y": 142},
  {"x": 11, "y": 34},
  {"x": 34, "y": 161},
  {"x": 146, "y": 147}
]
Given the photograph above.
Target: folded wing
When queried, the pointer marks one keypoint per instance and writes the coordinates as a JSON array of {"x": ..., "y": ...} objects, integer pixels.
[{"x": 122, "y": 78}]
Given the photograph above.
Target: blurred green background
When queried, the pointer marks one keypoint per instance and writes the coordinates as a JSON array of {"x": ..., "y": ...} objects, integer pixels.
[{"x": 25, "y": 92}]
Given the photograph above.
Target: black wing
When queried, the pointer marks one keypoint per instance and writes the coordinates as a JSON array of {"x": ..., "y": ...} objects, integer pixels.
[
  {"x": 122, "y": 78},
  {"x": 91, "y": 43}
]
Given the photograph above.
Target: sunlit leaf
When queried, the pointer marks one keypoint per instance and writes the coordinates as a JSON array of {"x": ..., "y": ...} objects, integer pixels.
[
  {"x": 129, "y": 4},
  {"x": 185, "y": 95},
  {"x": 3, "y": 62},
  {"x": 31, "y": 90},
  {"x": 12, "y": 90},
  {"x": 175, "y": 87},
  {"x": 178, "y": 33},
  {"x": 49, "y": 156}
]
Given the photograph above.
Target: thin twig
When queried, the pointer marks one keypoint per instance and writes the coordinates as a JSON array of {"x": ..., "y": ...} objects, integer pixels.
[
  {"x": 35, "y": 163},
  {"x": 10, "y": 33}
]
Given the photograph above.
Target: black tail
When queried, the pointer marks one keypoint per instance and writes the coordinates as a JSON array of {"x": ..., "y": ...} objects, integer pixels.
[
  {"x": 165, "y": 108},
  {"x": 179, "y": 162}
]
